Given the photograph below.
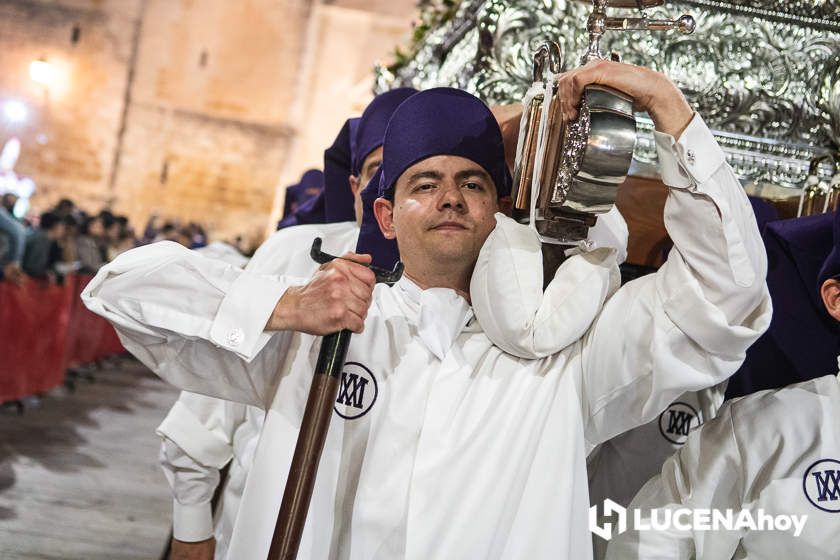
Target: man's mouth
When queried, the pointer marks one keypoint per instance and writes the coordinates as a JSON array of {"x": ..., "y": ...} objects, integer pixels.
[{"x": 449, "y": 226}]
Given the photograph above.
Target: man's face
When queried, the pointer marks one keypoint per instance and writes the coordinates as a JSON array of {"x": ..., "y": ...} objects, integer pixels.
[
  {"x": 9, "y": 201},
  {"x": 441, "y": 214},
  {"x": 113, "y": 231},
  {"x": 58, "y": 231},
  {"x": 96, "y": 228},
  {"x": 358, "y": 184}
]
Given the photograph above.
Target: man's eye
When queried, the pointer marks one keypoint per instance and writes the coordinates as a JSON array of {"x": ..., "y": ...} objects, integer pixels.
[
  {"x": 473, "y": 186},
  {"x": 426, "y": 187}
]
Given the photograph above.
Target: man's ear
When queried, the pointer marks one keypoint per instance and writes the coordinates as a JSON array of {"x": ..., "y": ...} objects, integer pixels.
[
  {"x": 383, "y": 209},
  {"x": 354, "y": 184},
  {"x": 830, "y": 292}
]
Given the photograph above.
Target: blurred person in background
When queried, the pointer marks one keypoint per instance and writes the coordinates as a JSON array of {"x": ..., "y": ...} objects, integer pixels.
[
  {"x": 150, "y": 231},
  {"x": 198, "y": 237},
  {"x": 43, "y": 251},
  {"x": 127, "y": 239},
  {"x": 92, "y": 245},
  {"x": 120, "y": 237},
  {"x": 65, "y": 207},
  {"x": 169, "y": 232},
  {"x": 183, "y": 236},
  {"x": 69, "y": 253},
  {"x": 9, "y": 201},
  {"x": 12, "y": 243}
]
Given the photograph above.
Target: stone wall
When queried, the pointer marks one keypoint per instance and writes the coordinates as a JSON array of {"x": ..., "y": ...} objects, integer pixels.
[
  {"x": 345, "y": 41},
  {"x": 192, "y": 109},
  {"x": 70, "y": 134}
]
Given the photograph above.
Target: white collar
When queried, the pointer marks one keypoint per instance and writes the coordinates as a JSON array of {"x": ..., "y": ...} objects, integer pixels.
[{"x": 441, "y": 314}]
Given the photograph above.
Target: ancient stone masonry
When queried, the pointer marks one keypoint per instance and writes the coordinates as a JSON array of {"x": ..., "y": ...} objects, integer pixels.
[
  {"x": 187, "y": 108},
  {"x": 70, "y": 130},
  {"x": 177, "y": 107}
]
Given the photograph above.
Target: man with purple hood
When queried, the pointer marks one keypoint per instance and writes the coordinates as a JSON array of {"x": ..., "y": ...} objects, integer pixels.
[
  {"x": 202, "y": 434},
  {"x": 772, "y": 457},
  {"x": 442, "y": 444},
  {"x": 304, "y": 201}
]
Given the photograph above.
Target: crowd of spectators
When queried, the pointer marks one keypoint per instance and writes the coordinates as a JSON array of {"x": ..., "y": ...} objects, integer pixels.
[{"x": 66, "y": 239}]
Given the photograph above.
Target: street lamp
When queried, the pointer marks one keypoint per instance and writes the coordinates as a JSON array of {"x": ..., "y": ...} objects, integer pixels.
[
  {"x": 15, "y": 111},
  {"x": 42, "y": 72}
]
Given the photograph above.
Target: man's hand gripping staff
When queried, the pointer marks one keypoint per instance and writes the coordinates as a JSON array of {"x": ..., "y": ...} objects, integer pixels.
[{"x": 334, "y": 303}]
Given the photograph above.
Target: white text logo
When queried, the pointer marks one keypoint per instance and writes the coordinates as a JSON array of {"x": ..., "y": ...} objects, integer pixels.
[{"x": 685, "y": 519}]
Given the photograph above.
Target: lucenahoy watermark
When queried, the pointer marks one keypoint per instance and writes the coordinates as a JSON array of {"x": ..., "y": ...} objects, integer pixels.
[{"x": 687, "y": 519}]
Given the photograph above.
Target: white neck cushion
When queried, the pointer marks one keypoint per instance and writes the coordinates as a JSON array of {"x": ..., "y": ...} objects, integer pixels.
[{"x": 507, "y": 295}]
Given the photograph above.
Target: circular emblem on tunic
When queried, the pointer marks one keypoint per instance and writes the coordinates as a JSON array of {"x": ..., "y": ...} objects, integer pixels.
[
  {"x": 677, "y": 421},
  {"x": 357, "y": 391},
  {"x": 821, "y": 485}
]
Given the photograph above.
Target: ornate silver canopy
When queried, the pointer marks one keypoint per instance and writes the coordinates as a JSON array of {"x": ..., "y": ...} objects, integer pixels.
[{"x": 765, "y": 75}]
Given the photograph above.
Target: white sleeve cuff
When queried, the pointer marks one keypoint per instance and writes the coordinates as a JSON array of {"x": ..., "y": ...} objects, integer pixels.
[
  {"x": 692, "y": 159},
  {"x": 192, "y": 523},
  {"x": 186, "y": 431},
  {"x": 239, "y": 325}
]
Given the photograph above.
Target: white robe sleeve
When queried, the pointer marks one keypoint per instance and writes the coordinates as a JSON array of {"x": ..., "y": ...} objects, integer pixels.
[
  {"x": 198, "y": 437},
  {"x": 197, "y": 322},
  {"x": 203, "y": 427},
  {"x": 192, "y": 485},
  {"x": 707, "y": 473},
  {"x": 688, "y": 326}
]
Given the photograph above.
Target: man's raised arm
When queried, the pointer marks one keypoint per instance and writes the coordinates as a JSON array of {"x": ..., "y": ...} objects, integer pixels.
[
  {"x": 203, "y": 325},
  {"x": 197, "y": 322},
  {"x": 688, "y": 326}
]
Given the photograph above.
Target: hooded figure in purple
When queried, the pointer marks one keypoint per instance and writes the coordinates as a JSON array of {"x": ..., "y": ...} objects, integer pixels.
[
  {"x": 353, "y": 158},
  {"x": 830, "y": 269},
  {"x": 335, "y": 201},
  {"x": 302, "y": 200},
  {"x": 801, "y": 342},
  {"x": 367, "y": 159}
]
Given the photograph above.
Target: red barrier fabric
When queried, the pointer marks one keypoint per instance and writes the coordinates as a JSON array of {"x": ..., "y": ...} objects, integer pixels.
[
  {"x": 110, "y": 343},
  {"x": 86, "y": 329},
  {"x": 91, "y": 337},
  {"x": 33, "y": 333},
  {"x": 45, "y": 328}
]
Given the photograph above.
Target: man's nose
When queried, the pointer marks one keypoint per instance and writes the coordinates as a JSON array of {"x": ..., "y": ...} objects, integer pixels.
[{"x": 451, "y": 198}]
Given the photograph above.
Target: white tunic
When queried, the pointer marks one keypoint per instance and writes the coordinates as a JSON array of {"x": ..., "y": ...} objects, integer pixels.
[
  {"x": 618, "y": 468},
  {"x": 201, "y": 434},
  {"x": 621, "y": 466},
  {"x": 530, "y": 323},
  {"x": 777, "y": 451},
  {"x": 479, "y": 454}
]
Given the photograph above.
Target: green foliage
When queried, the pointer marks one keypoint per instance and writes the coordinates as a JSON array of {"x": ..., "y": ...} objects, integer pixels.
[{"x": 432, "y": 14}]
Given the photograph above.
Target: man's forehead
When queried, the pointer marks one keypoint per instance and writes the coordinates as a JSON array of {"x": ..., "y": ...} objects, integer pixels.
[{"x": 443, "y": 164}]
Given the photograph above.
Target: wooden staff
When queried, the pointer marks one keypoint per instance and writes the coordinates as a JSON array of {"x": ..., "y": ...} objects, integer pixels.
[{"x": 313, "y": 429}]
